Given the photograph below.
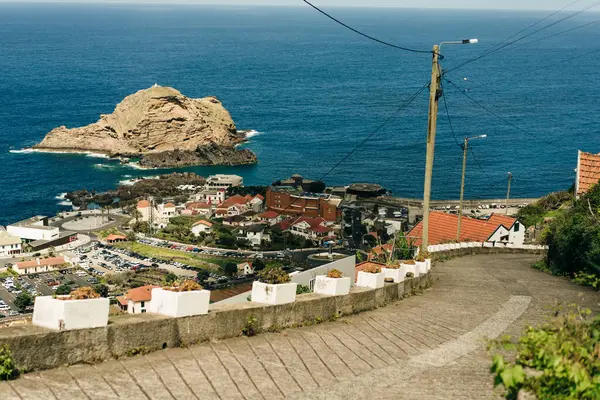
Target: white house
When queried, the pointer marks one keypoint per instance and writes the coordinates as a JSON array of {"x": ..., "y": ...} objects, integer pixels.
[
  {"x": 255, "y": 234},
  {"x": 201, "y": 226},
  {"x": 509, "y": 230},
  {"x": 137, "y": 300},
  {"x": 158, "y": 215},
  {"x": 309, "y": 228},
  {"x": 214, "y": 197},
  {"x": 245, "y": 268},
  {"x": 9, "y": 245},
  {"x": 32, "y": 229},
  {"x": 221, "y": 181},
  {"x": 41, "y": 265}
]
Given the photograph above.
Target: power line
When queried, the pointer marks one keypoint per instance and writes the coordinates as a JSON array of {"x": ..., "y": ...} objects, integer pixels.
[
  {"x": 362, "y": 142},
  {"x": 448, "y": 115},
  {"x": 364, "y": 34},
  {"x": 521, "y": 38},
  {"x": 506, "y": 121},
  {"x": 555, "y": 34},
  {"x": 538, "y": 22},
  {"x": 570, "y": 59}
]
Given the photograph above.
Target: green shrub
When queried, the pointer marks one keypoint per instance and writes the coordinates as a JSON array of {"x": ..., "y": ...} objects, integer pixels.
[
  {"x": 273, "y": 276},
  {"x": 542, "y": 266},
  {"x": 8, "y": 369},
  {"x": 300, "y": 289},
  {"x": 249, "y": 328},
  {"x": 585, "y": 279},
  {"x": 560, "y": 360}
]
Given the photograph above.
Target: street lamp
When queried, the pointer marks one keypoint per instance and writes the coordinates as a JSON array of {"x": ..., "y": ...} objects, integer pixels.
[
  {"x": 462, "y": 183},
  {"x": 434, "y": 96}
]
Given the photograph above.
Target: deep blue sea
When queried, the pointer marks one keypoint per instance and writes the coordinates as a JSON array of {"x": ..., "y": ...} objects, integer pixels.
[{"x": 313, "y": 89}]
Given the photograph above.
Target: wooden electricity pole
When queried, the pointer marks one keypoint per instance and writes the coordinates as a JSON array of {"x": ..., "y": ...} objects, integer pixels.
[
  {"x": 434, "y": 95},
  {"x": 508, "y": 191},
  {"x": 462, "y": 187}
]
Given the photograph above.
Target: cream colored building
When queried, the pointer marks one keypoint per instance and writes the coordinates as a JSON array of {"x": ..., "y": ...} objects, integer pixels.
[{"x": 9, "y": 245}]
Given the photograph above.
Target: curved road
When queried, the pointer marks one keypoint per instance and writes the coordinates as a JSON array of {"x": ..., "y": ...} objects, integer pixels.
[{"x": 426, "y": 347}]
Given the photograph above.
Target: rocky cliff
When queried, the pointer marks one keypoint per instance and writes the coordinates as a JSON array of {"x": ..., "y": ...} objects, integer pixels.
[{"x": 162, "y": 127}]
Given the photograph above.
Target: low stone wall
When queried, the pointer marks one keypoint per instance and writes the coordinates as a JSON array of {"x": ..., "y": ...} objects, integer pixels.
[
  {"x": 467, "y": 251},
  {"x": 36, "y": 348}
]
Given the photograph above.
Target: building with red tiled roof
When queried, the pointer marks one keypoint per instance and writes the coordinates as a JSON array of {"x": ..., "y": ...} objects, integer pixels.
[
  {"x": 588, "y": 172},
  {"x": 363, "y": 265},
  {"x": 41, "y": 265},
  {"x": 201, "y": 226},
  {"x": 112, "y": 238},
  {"x": 443, "y": 228},
  {"x": 137, "y": 300},
  {"x": 310, "y": 228},
  {"x": 143, "y": 204}
]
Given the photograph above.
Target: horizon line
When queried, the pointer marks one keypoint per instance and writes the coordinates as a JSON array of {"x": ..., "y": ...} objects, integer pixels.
[{"x": 192, "y": 3}]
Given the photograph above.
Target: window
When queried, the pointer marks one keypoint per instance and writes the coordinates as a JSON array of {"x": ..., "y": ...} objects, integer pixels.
[
  {"x": 143, "y": 311},
  {"x": 311, "y": 284},
  {"x": 517, "y": 227},
  {"x": 143, "y": 304}
]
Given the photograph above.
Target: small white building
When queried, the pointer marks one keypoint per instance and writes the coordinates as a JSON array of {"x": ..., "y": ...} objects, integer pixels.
[
  {"x": 509, "y": 230},
  {"x": 32, "y": 229},
  {"x": 158, "y": 215},
  {"x": 137, "y": 300},
  {"x": 221, "y": 181},
  {"x": 9, "y": 245},
  {"x": 214, "y": 197},
  {"x": 41, "y": 265},
  {"x": 201, "y": 226},
  {"x": 255, "y": 234},
  {"x": 245, "y": 268}
]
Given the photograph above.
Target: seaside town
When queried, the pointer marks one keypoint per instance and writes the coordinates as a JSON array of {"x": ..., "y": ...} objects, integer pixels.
[
  {"x": 337, "y": 253},
  {"x": 221, "y": 234}
]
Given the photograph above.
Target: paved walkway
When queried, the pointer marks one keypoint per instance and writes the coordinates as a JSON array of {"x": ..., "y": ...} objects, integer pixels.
[{"x": 427, "y": 347}]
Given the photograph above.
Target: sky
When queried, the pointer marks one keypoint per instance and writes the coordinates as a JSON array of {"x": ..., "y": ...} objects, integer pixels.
[{"x": 469, "y": 4}]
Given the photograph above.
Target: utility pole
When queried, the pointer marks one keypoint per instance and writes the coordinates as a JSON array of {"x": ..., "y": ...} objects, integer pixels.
[
  {"x": 462, "y": 187},
  {"x": 462, "y": 183},
  {"x": 508, "y": 191},
  {"x": 434, "y": 95}
]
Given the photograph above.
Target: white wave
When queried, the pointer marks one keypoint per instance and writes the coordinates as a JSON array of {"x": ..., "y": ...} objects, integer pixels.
[
  {"x": 96, "y": 155},
  {"x": 128, "y": 182},
  {"x": 65, "y": 203},
  {"x": 135, "y": 165},
  {"x": 22, "y": 151},
  {"x": 61, "y": 196},
  {"x": 253, "y": 133}
]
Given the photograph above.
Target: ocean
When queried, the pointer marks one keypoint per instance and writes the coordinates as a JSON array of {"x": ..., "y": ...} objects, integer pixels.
[{"x": 312, "y": 89}]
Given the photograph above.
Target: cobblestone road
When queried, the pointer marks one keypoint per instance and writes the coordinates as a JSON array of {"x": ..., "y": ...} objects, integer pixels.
[{"x": 430, "y": 346}]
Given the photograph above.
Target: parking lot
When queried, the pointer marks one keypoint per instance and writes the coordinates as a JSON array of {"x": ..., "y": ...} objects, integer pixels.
[{"x": 44, "y": 284}]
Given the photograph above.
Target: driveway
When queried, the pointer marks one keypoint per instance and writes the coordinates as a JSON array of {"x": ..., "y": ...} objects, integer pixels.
[{"x": 430, "y": 346}]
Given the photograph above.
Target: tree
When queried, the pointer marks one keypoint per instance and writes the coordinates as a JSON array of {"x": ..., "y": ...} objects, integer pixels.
[
  {"x": 170, "y": 278},
  {"x": 23, "y": 300},
  {"x": 101, "y": 289},
  {"x": 131, "y": 236},
  {"x": 202, "y": 275},
  {"x": 258, "y": 265},
  {"x": 63, "y": 290},
  {"x": 230, "y": 269},
  {"x": 141, "y": 227}
]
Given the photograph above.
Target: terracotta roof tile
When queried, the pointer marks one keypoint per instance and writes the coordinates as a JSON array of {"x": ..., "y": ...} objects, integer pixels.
[
  {"x": 203, "y": 222},
  {"x": 443, "y": 228},
  {"x": 505, "y": 220},
  {"x": 41, "y": 262},
  {"x": 143, "y": 204},
  {"x": 589, "y": 171},
  {"x": 269, "y": 215},
  {"x": 142, "y": 293},
  {"x": 361, "y": 267}
]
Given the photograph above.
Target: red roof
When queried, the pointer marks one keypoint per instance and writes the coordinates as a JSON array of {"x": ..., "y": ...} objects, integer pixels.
[
  {"x": 443, "y": 228},
  {"x": 505, "y": 220},
  {"x": 269, "y": 215},
  {"x": 363, "y": 265},
  {"x": 143, "y": 293},
  {"x": 233, "y": 200},
  {"x": 260, "y": 197},
  {"x": 113, "y": 237},
  {"x": 314, "y": 223},
  {"x": 122, "y": 300},
  {"x": 382, "y": 249},
  {"x": 53, "y": 261},
  {"x": 169, "y": 205},
  {"x": 143, "y": 204},
  {"x": 197, "y": 206},
  {"x": 203, "y": 222},
  {"x": 588, "y": 171}
]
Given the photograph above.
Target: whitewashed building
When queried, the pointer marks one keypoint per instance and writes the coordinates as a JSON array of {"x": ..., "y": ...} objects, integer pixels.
[
  {"x": 201, "y": 226},
  {"x": 9, "y": 245}
]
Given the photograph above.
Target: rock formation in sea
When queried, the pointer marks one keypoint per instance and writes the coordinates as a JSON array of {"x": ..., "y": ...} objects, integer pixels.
[{"x": 163, "y": 128}]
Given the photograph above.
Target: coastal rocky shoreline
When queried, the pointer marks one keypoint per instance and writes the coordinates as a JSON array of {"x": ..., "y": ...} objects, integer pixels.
[{"x": 160, "y": 127}]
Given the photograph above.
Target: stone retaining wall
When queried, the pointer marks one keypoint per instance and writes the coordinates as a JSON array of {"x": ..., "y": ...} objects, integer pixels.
[{"x": 36, "y": 348}]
